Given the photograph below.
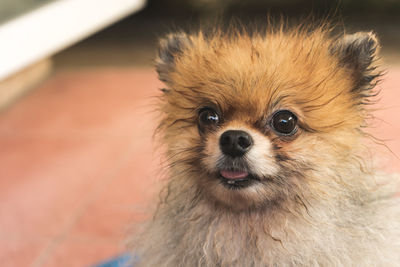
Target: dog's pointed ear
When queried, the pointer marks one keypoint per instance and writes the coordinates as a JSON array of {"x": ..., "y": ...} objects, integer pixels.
[
  {"x": 358, "y": 52},
  {"x": 170, "y": 48}
]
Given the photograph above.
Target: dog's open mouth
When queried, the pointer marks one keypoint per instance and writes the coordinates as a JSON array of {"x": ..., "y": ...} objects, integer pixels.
[{"x": 233, "y": 179}]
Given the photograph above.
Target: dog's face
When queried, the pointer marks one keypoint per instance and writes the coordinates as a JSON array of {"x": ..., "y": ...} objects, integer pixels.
[{"x": 255, "y": 121}]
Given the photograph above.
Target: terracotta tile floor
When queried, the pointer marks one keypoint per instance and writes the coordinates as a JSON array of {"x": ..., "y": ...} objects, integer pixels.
[{"x": 78, "y": 167}]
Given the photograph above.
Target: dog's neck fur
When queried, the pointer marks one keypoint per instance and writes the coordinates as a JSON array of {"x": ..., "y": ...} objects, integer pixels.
[{"x": 188, "y": 230}]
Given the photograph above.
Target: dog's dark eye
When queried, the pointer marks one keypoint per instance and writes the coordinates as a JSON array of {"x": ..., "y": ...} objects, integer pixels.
[
  {"x": 208, "y": 117},
  {"x": 284, "y": 122}
]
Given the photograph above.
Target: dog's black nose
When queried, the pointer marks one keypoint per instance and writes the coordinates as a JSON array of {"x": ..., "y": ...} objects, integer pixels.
[{"x": 235, "y": 143}]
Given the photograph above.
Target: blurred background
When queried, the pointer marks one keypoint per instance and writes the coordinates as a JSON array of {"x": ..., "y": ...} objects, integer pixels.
[
  {"x": 133, "y": 40},
  {"x": 78, "y": 168}
]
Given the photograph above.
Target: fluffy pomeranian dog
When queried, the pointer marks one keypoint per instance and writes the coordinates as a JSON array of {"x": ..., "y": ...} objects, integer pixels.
[{"x": 265, "y": 143}]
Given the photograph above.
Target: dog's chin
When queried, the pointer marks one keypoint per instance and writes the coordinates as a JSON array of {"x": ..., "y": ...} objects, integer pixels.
[{"x": 238, "y": 192}]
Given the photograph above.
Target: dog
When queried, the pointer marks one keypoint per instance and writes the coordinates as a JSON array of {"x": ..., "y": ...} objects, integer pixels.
[{"x": 264, "y": 136}]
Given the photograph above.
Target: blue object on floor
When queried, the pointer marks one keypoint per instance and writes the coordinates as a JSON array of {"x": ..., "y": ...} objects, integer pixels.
[{"x": 124, "y": 260}]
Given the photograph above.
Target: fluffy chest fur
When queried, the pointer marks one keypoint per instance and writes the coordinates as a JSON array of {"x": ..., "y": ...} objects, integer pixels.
[{"x": 339, "y": 232}]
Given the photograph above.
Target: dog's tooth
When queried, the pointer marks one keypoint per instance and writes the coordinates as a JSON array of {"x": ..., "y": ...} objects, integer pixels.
[{"x": 231, "y": 182}]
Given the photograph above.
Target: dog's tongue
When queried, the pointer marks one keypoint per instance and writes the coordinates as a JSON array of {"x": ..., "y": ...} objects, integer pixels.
[{"x": 234, "y": 174}]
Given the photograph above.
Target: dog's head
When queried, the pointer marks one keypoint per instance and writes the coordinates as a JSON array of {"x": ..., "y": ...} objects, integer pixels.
[{"x": 257, "y": 120}]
